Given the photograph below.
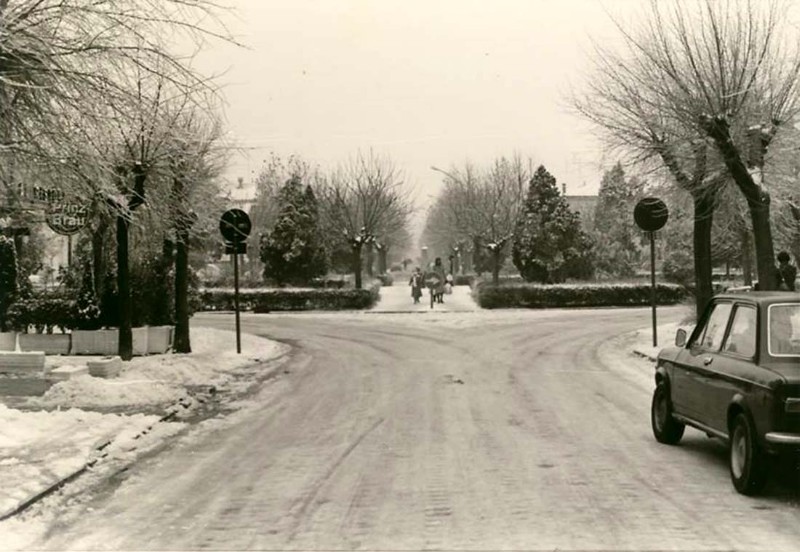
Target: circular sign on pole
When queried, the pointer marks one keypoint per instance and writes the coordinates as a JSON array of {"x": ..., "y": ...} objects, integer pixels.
[
  {"x": 650, "y": 214},
  {"x": 235, "y": 225},
  {"x": 67, "y": 218}
]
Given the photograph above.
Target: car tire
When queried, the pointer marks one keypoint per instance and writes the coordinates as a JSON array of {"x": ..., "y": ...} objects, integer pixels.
[
  {"x": 748, "y": 464},
  {"x": 666, "y": 429}
]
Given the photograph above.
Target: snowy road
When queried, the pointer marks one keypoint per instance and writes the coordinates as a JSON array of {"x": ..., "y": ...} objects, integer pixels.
[{"x": 488, "y": 430}]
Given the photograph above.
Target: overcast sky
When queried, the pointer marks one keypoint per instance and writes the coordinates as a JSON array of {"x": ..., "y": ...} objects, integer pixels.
[{"x": 427, "y": 82}]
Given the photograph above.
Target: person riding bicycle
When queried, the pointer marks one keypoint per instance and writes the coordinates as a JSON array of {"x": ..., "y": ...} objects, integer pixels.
[{"x": 435, "y": 278}]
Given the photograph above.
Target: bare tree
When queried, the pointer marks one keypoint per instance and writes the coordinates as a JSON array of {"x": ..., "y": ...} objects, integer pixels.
[
  {"x": 56, "y": 54},
  {"x": 481, "y": 207},
  {"x": 722, "y": 71},
  {"x": 364, "y": 201}
]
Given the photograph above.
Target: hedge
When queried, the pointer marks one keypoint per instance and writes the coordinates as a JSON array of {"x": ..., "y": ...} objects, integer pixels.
[
  {"x": 289, "y": 299},
  {"x": 489, "y": 296}
]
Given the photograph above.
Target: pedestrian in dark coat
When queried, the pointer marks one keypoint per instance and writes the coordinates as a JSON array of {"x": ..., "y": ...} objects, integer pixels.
[
  {"x": 416, "y": 282},
  {"x": 787, "y": 272}
]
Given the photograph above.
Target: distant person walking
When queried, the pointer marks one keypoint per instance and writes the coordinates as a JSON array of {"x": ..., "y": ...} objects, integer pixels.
[
  {"x": 416, "y": 282},
  {"x": 787, "y": 272},
  {"x": 435, "y": 279}
]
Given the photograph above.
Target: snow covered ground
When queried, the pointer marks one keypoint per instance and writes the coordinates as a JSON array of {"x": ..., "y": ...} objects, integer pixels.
[
  {"x": 108, "y": 424},
  {"x": 88, "y": 420}
]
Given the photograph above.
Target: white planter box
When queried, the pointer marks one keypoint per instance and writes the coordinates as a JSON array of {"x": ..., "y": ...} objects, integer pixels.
[
  {"x": 106, "y": 342},
  {"x": 108, "y": 367},
  {"x": 139, "y": 341},
  {"x": 63, "y": 373},
  {"x": 22, "y": 363},
  {"x": 50, "y": 344},
  {"x": 8, "y": 341},
  {"x": 159, "y": 339},
  {"x": 95, "y": 342}
]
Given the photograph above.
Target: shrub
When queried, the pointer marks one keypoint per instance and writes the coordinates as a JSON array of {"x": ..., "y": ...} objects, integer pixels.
[
  {"x": 288, "y": 299},
  {"x": 329, "y": 283},
  {"x": 44, "y": 312},
  {"x": 464, "y": 279},
  {"x": 386, "y": 279},
  {"x": 586, "y": 295}
]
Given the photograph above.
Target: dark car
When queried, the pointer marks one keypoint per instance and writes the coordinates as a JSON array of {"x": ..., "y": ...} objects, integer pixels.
[{"x": 737, "y": 377}]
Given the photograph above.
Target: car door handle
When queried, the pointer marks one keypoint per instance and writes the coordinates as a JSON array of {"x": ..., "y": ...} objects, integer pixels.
[{"x": 708, "y": 360}]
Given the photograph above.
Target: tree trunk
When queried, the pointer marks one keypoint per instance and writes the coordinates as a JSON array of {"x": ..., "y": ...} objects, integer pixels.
[
  {"x": 181, "y": 342},
  {"x": 357, "y": 265},
  {"x": 162, "y": 311},
  {"x": 496, "y": 266},
  {"x": 383, "y": 253},
  {"x": 762, "y": 239},
  {"x": 795, "y": 243},
  {"x": 98, "y": 258},
  {"x": 747, "y": 258},
  {"x": 703, "y": 219},
  {"x": 757, "y": 197},
  {"x": 125, "y": 349},
  {"x": 370, "y": 260}
]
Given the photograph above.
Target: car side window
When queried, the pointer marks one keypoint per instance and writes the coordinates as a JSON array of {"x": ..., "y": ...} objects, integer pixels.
[
  {"x": 711, "y": 337},
  {"x": 742, "y": 337}
]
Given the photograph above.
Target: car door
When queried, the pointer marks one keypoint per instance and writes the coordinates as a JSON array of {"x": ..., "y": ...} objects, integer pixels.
[
  {"x": 731, "y": 369},
  {"x": 690, "y": 377}
]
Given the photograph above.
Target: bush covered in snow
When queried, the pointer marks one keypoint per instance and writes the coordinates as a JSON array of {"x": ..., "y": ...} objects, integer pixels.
[
  {"x": 489, "y": 296},
  {"x": 290, "y": 299}
]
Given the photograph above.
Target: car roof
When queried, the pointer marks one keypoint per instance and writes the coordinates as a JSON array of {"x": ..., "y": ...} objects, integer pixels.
[{"x": 762, "y": 297}]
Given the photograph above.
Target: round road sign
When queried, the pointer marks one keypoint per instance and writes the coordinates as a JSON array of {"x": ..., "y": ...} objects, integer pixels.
[
  {"x": 650, "y": 214},
  {"x": 235, "y": 225}
]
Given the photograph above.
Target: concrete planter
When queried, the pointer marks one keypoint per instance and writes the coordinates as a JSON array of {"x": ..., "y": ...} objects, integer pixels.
[
  {"x": 95, "y": 342},
  {"x": 50, "y": 344},
  {"x": 106, "y": 342},
  {"x": 159, "y": 339},
  {"x": 8, "y": 341},
  {"x": 22, "y": 363},
  {"x": 108, "y": 367}
]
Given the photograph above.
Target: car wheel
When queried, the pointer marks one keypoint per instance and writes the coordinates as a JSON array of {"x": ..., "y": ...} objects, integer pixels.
[
  {"x": 665, "y": 428},
  {"x": 747, "y": 461}
]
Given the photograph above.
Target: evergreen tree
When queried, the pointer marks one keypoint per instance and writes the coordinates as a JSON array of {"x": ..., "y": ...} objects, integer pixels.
[
  {"x": 549, "y": 245},
  {"x": 617, "y": 239},
  {"x": 316, "y": 261},
  {"x": 8, "y": 279},
  {"x": 293, "y": 252}
]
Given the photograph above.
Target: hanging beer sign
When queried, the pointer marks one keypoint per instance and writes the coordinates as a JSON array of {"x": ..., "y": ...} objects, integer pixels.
[{"x": 67, "y": 218}]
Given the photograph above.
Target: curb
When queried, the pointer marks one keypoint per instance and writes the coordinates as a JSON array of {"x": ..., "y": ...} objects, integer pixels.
[
  {"x": 643, "y": 355},
  {"x": 86, "y": 467},
  {"x": 172, "y": 412}
]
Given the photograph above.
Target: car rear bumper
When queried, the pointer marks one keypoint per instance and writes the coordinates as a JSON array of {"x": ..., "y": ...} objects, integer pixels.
[{"x": 776, "y": 438}]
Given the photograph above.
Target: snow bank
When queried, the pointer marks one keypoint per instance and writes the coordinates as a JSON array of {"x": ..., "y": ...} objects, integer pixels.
[
  {"x": 40, "y": 448},
  {"x": 161, "y": 379}
]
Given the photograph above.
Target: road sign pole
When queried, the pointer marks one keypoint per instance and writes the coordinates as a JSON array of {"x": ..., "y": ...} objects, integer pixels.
[
  {"x": 236, "y": 293},
  {"x": 653, "y": 284},
  {"x": 234, "y": 225},
  {"x": 69, "y": 250}
]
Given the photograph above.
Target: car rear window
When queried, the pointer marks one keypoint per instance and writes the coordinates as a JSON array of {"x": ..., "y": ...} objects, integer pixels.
[{"x": 784, "y": 329}]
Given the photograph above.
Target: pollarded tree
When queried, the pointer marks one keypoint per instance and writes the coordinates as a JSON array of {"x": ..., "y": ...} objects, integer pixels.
[
  {"x": 617, "y": 250},
  {"x": 549, "y": 245},
  {"x": 364, "y": 201},
  {"x": 479, "y": 208},
  {"x": 292, "y": 252},
  {"x": 726, "y": 72}
]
